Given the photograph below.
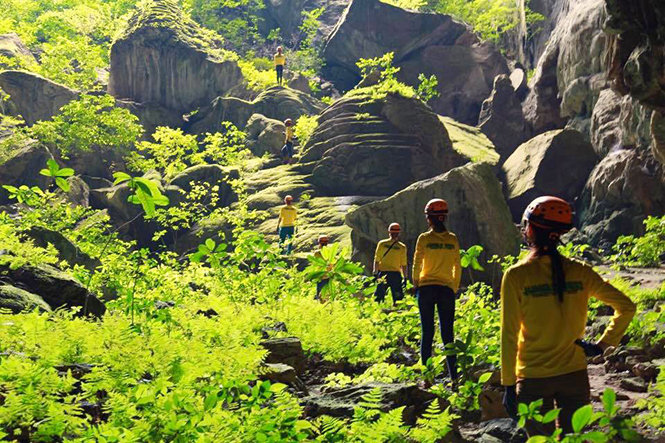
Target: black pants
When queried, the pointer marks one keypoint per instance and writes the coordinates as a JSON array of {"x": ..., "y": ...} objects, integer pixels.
[
  {"x": 443, "y": 299},
  {"x": 394, "y": 281},
  {"x": 280, "y": 73}
]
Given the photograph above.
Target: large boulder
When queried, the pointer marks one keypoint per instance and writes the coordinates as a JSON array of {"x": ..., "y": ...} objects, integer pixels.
[
  {"x": 34, "y": 97},
  {"x": 56, "y": 288},
  {"x": 377, "y": 147},
  {"x": 501, "y": 118},
  {"x": 12, "y": 47},
  {"x": 276, "y": 103},
  {"x": 284, "y": 15},
  {"x": 213, "y": 175},
  {"x": 67, "y": 250},
  {"x": 570, "y": 74},
  {"x": 264, "y": 135},
  {"x": 22, "y": 168},
  {"x": 422, "y": 43},
  {"x": 18, "y": 300},
  {"x": 625, "y": 187},
  {"x": 164, "y": 58},
  {"x": 478, "y": 214},
  {"x": 554, "y": 163}
]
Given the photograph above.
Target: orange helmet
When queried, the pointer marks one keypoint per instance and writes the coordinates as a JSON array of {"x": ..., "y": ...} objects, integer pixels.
[
  {"x": 436, "y": 206},
  {"x": 394, "y": 228},
  {"x": 288, "y": 199},
  {"x": 551, "y": 213},
  {"x": 288, "y": 122},
  {"x": 324, "y": 240}
]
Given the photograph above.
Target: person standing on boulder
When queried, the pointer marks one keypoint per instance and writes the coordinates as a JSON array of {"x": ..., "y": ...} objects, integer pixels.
[
  {"x": 287, "y": 149},
  {"x": 436, "y": 278},
  {"x": 544, "y": 306},
  {"x": 390, "y": 265},
  {"x": 280, "y": 63},
  {"x": 286, "y": 224}
]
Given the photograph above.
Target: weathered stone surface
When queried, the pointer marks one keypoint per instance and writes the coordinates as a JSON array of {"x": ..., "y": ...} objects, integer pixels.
[
  {"x": 501, "y": 118},
  {"x": 152, "y": 115},
  {"x": 503, "y": 429},
  {"x": 366, "y": 147},
  {"x": 55, "y": 287},
  {"x": 478, "y": 214},
  {"x": 12, "y": 47},
  {"x": 340, "y": 402},
  {"x": 623, "y": 189},
  {"x": 34, "y": 97},
  {"x": 422, "y": 43},
  {"x": 23, "y": 167},
  {"x": 79, "y": 192},
  {"x": 264, "y": 135},
  {"x": 300, "y": 83},
  {"x": 165, "y": 58},
  {"x": 491, "y": 404},
  {"x": 214, "y": 175},
  {"x": 67, "y": 250},
  {"x": 554, "y": 163},
  {"x": 276, "y": 103},
  {"x": 283, "y": 14},
  {"x": 634, "y": 384},
  {"x": 18, "y": 300},
  {"x": 605, "y": 127},
  {"x": 470, "y": 142},
  {"x": 287, "y": 351}
]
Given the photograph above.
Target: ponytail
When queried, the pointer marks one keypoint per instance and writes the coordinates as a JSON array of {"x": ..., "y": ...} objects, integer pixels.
[
  {"x": 546, "y": 243},
  {"x": 438, "y": 222}
]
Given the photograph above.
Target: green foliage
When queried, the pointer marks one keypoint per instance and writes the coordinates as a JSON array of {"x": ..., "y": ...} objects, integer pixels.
[
  {"x": 257, "y": 77},
  {"x": 654, "y": 406},
  {"x": 645, "y": 250},
  {"x": 146, "y": 192},
  {"x": 469, "y": 257},
  {"x": 427, "y": 88},
  {"x": 305, "y": 127},
  {"x": 90, "y": 123},
  {"x": 72, "y": 62},
  {"x": 333, "y": 265},
  {"x": 58, "y": 174},
  {"x": 307, "y": 59}
]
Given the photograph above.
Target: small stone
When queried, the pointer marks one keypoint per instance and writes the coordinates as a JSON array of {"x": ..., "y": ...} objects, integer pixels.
[
  {"x": 491, "y": 405},
  {"x": 646, "y": 371},
  {"x": 279, "y": 373},
  {"x": 633, "y": 385}
]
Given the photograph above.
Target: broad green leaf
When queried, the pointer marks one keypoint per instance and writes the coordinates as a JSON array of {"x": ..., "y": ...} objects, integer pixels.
[
  {"x": 65, "y": 172},
  {"x": 537, "y": 439},
  {"x": 595, "y": 437},
  {"x": 485, "y": 377},
  {"x": 523, "y": 409},
  {"x": 62, "y": 184},
  {"x": 210, "y": 244},
  {"x": 609, "y": 400},
  {"x": 551, "y": 415},
  {"x": 121, "y": 177},
  {"x": 581, "y": 418}
]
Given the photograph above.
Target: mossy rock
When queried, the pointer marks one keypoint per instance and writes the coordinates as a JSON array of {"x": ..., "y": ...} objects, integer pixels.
[
  {"x": 18, "y": 300},
  {"x": 470, "y": 142}
]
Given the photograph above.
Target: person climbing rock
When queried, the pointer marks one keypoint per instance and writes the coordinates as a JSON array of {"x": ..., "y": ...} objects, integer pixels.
[
  {"x": 544, "y": 303},
  {"x": 323, "y": 242},
  {"x": 390, "y": 265},
  {"x": 280, "y": 63},
  {"x": 286, "y": 224},
  {"x": 287, "y": 149},
  {"x": 436, "y": 278}
]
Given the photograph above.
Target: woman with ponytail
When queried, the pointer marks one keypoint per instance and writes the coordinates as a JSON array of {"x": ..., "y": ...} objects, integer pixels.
[
  {"x": 544, "y": 304},
  {"x": 436, "y": 278}
]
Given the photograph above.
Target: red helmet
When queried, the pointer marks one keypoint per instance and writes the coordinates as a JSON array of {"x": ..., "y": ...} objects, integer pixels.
[
  {"x": 288, "y": 122},
  {"x": 436, "y": 206},
  {"x": 324, "y": 240},
  {"x": 394, "y": 228},
  {"x": 551, "y": 213},
  {"x": 288, "y": 199}
]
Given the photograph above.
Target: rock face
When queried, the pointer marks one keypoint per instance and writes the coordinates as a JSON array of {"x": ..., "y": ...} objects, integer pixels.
[
  {"x": 637, "y": 57},
  {"x": 67, "y": 250},
  {"x": 165, "y": 58},
  {"x": 283, "y": 14},
  {"x": 23, "y": 167},
  {"x": 554, "y": 163},
  {"x": 56, "y": 288},
  {"x": 422, "y": 43},
  {"x": 264, "y": 135},
  {"x": 11, "y": 47},
  {"x": 501, "y": 118},
  {"x": 623, "y": 189},
  {"x": 287, "y": 351},
  {"x": 478, "y": 214},
  {"x": 33, "y": 97},
  {"x": 365, "y": 147},
  {"x": 570, "y": 74},
  {"x": 214, "y": 175},
  {"x": 18, "y": 300},
  {"x": 276, "y": 103}
]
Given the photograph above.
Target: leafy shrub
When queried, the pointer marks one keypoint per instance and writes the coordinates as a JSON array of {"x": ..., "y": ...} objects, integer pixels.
[
  {"x": 305, "y": 127},
  {"x": 646, "y": 250}
]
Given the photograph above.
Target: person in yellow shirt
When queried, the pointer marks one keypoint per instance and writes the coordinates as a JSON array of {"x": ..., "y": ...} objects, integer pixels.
[
  {"x": 280, "y": 63},
  {"x": 287, "y": 149},
  {"x": 323, "y": 242},
  {"x": 390, "y": 265},
  {"x": 436, "y": 276},
  {"x": 544, "y": 303},
  {"x": 286, "y": 224}
]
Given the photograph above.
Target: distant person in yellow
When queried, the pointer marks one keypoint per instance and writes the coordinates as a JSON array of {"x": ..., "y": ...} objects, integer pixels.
[
  {"x": 286, "y": 224},
  {"x": 544, "y": 303},
  {"x": 289, "y": 137},
  {"x": 280, "y": 62},
  {"x": 390, "y": 265},
  {"x": 436, "y": 276},
  {"x": 323, "y": 242}
]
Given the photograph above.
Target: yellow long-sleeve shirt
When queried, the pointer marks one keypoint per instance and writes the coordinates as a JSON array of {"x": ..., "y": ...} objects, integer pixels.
[
  {"x": 289, "y": 135},
  {"x": 390, "y": 259},
  {"x": 287, "y": 216},
  {"x": 280, "y": 60},
  {"x": 538, "y": 332},
  {"x": 437, "y": 260}
]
